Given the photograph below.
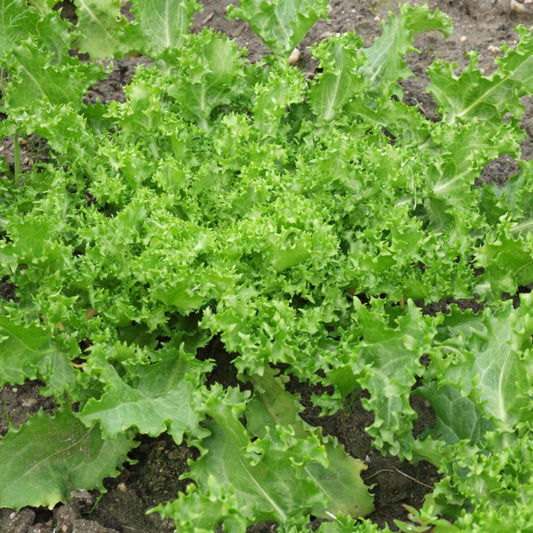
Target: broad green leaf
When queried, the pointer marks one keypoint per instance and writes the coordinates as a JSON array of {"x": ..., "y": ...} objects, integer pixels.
[
  {"x": 49, "y": 457},
  {"x": 341, "y": 59},
  {"x": 267, "y": 475},
  {"x": 17, "y": 20},
  {"x": 391, "y": 356},
  {"x": 457, "y": 417},
  {"x": 281, "y": 474},
  {"x": 507, "y": 258},
  {"x": 162, "y": 398},
  {"x": 340, "y": 481},
  {"x": 408, "y": 126},
  {"x": 487, "y": 357},
  {"x": 210, "y": 72},
  {"x": 462, "y": 155},
  {"x": 101, "y": 26},
  {"x": 386, "y": 54},
  {"x": 163, "y": 23},
  {"x": 36, "y": 79},
  {"x": 515, "y": 199},
  {"x": 280, "y": 24},
  {"x": 29, "y": 352},
  {"x": 474, "y": 96}
]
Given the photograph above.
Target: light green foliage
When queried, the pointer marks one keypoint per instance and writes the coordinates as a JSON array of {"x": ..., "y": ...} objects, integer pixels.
[
  {"x": 282, "y": 474},
  {"x": 342, "y": 78},
  {"x": 209, "y": 75},
  {"x": 386, "y": 54},
  {"x": 30, "y": 352},
  {"x": 474, "y": 96},
  {"x": 280, "y": 24},
  {"x": 51, "y": 456},
  {"x": 154, "y": 400},
  {"x": 101, "y": 25},
  {"x": 300, "y": 223},
  {"x": 163, "y": 23}
]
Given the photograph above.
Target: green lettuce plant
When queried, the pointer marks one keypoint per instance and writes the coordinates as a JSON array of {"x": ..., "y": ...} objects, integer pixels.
[{"x": 304, "y": 223}]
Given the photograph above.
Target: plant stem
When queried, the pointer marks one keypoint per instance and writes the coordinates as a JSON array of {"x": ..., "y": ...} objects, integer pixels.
[{"x": 16, "y": 157}]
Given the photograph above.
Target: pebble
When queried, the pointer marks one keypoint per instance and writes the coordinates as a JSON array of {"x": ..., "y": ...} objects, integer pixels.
[
  {"x": 524, "y": 6},
  {"x": 294, "y": 57},
  {"x": 327, "y": 35},
  {"x": 29, "y": 402}
]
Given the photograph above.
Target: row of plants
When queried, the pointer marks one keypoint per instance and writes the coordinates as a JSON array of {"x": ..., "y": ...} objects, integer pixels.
[{"x": 303, "y": 222}]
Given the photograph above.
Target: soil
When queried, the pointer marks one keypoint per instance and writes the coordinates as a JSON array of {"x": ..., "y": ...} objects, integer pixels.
[{"x": 153, "y": 474}]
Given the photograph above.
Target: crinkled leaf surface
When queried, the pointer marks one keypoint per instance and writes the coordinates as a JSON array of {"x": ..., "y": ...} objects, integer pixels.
[
  {"x": 209, "y": 75},
  {"x": 340, "y": 481},
  {"x": 292, "y": 220},
  {"x": 282, "y": 474},
  {"x": 488, "y": 359},
  {"x": 457, "y": 417},
  {"x": 16, "y": 22},
  {"x": 281, "y": 24},
  {"x": 101, "y": 26},
  {"x": 392, "y": 360},
  {"x": 163, "y": 23},
  {"x": 341, "y": 59},
  {"x": 507, "y": 257},
  {"x": 161, "y": 398},
  {"x": 474, "y": 96},
  {"x": 51, "y": 456},
  {"x": 386, "y": 54},
  {"x": 19, "y": 20},
  {"x": 28, "y": 352},
  {"x": 37, "y": 80}
]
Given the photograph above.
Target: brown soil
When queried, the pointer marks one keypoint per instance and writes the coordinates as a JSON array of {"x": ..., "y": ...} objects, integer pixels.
[{"x": 152, "y": 477}]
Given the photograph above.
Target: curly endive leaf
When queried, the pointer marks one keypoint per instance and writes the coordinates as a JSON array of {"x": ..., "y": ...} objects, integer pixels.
[
  {"x": 209, "y": 74},
  {"x": 19, "y": 20},
  {"x": 340, "y": 482},
  {"x": 101, "y": 25},
  {"x": 28, "y": 352},
  {"x": 163, "y": 23},
  {"x": 284, "y": 473},
  {"x": 51, "y": 456},
  {"x": 35, "y": 78},
  {"x": 456, "y": 417},
  {"x": 341, "y": 60},
  {"x": 507, "y": 258},
  {"x": 391, "y": 359},
  {"x": 280, "y": 24},
  {"x": 386, "y": 55},
  {"x": 16, "y": 21},
  {"x": 474, "y": 96},
  {"x": 162, "y": 397},
  {"x": 488, "y": 356}
]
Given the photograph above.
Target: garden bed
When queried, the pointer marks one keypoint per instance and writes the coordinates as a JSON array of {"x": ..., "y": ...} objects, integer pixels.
[{"x": 152, "y": 476}]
